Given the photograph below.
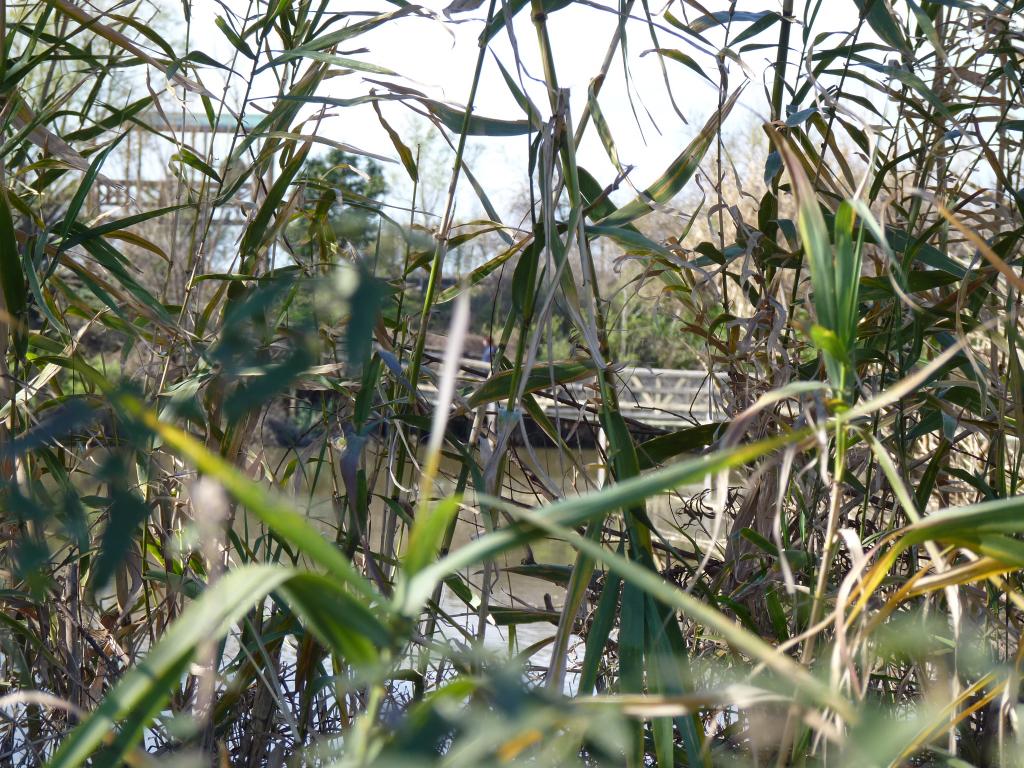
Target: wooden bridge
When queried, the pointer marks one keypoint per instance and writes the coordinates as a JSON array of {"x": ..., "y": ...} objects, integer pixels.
[
  {"x": 659, "y": 398},
  {"x": 652, "y": 399}
]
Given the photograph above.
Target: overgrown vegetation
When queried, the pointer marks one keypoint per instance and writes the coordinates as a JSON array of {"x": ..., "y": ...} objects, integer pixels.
[{"x": 242, "y": 524}]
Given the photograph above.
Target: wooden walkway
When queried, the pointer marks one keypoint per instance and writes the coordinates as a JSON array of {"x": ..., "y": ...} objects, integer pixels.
[
  {"x": 656, "y": 398},
  {"x": 660, "y": 398}
]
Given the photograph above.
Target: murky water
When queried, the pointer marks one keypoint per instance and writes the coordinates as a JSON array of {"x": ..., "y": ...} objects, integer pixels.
[
  {"x": 534, "y": 478},
  {"x": 540, "y": 475}
]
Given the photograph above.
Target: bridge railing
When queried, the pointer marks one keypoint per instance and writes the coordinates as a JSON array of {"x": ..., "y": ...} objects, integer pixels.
[
  {"x": 656, "y": 397},
  {"x": 660, "y": 397}
]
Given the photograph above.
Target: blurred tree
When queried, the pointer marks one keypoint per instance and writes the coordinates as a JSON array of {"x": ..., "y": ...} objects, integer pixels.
[{"x": 343, "y": 194}]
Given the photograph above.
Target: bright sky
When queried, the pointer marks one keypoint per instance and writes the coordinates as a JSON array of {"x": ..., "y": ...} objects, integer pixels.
[{"x": 438, "y": 57}]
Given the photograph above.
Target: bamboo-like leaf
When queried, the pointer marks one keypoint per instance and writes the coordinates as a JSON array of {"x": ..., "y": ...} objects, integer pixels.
[
  {"x": 279, "y": 118},
  {"x": 722, "y": 18},
  {"x": 33, "y": 128},
  {"x": 331, "y": 39},
  {"x": 810, "y": 689},
  {"x": 983, "y": 248},
  {"x": 818, "y": 252},
  {"x": 93, "y": 24},
  {"x": 403, "y": 151},
  {"x": 79, "y": 233},
  {"x": 275, "y": 513},
  {"x": 12, "y": 279},
  {"x": 140, "y": 695},
  {"x": 187, "y": 157},
  {"x": 879, "y": 16},
  {"x": 677, "y": 174},
  {"x": 337, "y": 61},
  {"x": 630, "y": 240},
  {"x": 602, "y": 126},
  {"x": 682, "y": 58},
  {"x": 655, "y": 451},
  {"x": 256, "y": 233},
  {"x": 83, "y": 189},
  {"x": 908, "y": 79},
  {"x": 1000, "y": 516},
  {"x": 237, "y": 43},
  {"x": 484, "y": 269},
  {"x": 575, "y": 511},
  {"x": 454, "y": 119},
  {"x": 542, "y": 376},
  {"x": 428, "y": 528}
]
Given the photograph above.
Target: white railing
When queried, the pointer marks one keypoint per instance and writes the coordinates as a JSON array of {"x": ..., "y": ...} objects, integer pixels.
[{"x": 657, "y": 397}]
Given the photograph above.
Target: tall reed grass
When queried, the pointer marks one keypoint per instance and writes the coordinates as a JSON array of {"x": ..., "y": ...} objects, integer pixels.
[{"x": 847, "y": 593}]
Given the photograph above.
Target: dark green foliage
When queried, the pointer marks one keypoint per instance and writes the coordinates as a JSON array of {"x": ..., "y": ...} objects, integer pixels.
[{"x": 345, "y": 192}]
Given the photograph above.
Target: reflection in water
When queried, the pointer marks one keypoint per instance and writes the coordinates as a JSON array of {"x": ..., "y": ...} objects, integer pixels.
[{"x": 532, "y": 478}]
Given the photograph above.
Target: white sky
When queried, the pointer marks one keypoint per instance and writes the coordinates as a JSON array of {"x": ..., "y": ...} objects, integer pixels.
[{"x": 438, "y": 57}]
